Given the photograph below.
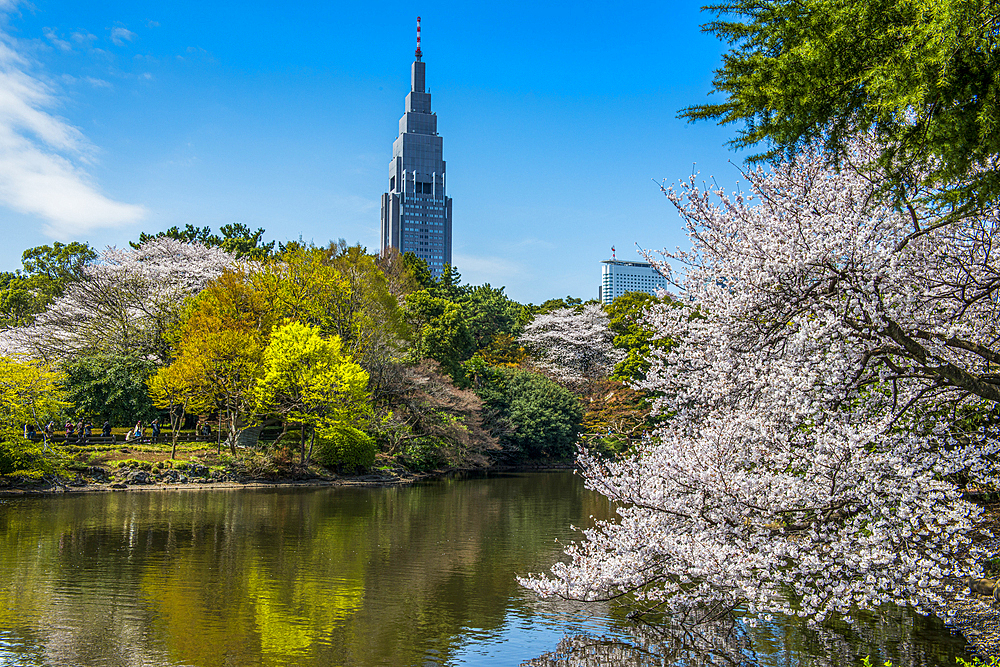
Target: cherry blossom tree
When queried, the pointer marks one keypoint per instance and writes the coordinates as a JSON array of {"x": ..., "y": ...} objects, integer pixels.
[
  {"x": 573, "y": 344},
  {"x": 830, "y": 388},
  {"x": 123, "y": 303}
]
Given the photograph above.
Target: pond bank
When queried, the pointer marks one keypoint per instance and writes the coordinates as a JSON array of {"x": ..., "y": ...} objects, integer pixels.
[{"x": 135, "y": 480}]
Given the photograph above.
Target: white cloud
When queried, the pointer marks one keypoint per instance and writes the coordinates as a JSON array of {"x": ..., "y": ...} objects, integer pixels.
[
  {"x": 121, "y": 35},
  {"x": 61, "y": 44},
  {"x": 42, "y": 158},
  {"x": 83, "y": 37}
]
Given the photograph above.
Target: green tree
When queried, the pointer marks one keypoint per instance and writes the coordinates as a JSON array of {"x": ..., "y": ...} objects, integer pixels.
[
  {"x": 440, "y": 333},
  {"x": 449, "y": 285},
  {"x": 219, "y": 348},
  {"x": 29, "y": 394},
  {"x": 110, "y": 386},
  {"x": 58, "y": 263},
  {"x": 241, "y": 242},
  {"x": 550, "y": 305},
  {"x": 632, "y": 334},
  {"x": 311, "y": 381},
  {"x": 47, "y": 270},
  {"x": 17, "y": 301},
  {"x": 171, "y": 388},
  {"x": 533, "y": 416},
  {"x": 418, "y": 269},
  {"x": 490, "y": 313},
  {"x": 236, "y": 238},
  {"x": 189, "y": 234},
  {"x": 922, "y": 75}
]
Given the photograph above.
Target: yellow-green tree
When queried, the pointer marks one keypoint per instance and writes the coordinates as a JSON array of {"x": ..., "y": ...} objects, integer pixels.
[
  {"x": 219, "y": 349},
  {"x": 29, "y": 394},
  {"x": 170, "y": 389},
  {"x": 311, "y": 381}
]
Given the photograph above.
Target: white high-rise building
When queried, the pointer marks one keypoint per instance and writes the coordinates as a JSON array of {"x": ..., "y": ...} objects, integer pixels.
[
  {"x": 618, "y": 277},
  {"x": 416, "y": 212}
]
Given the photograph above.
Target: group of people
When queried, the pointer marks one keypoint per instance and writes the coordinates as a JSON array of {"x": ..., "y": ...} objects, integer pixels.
[
  {"x": 84, "y": 430},
  {"x": 139, "y": 432}
]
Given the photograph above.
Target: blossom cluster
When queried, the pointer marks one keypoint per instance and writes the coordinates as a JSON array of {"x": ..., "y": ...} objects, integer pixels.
[
  {"x": 123, "y": 304},
  {"x": 574, "y": 344},
  {"x": 831, "y": 382}
]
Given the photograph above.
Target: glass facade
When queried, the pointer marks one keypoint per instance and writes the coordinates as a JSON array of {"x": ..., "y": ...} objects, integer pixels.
[
  {"x": 416, "y": 212},
  {"x": 619, "y": 277}
]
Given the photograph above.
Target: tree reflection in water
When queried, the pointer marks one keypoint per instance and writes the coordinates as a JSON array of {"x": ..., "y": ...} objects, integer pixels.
[{"x": 894, "y": 634}]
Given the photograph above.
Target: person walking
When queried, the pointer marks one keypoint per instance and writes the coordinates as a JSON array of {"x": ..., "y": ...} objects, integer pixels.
[
  {"x": 106, "y": 429},
  {"x": 155, "y": 429},
  {"x": 137, "y": 436},
  {"x": 69, "y": 430},
  {"x": 50, "y": 428}
]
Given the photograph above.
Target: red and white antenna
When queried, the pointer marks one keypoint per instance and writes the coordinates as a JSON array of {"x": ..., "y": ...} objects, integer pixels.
[
  {"x": 417, "y": 53},
  {"x": 612, "y": 253}
]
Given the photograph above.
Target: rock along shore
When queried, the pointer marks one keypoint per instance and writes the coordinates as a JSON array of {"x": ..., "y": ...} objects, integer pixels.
[{"x": 139, "y": 480}]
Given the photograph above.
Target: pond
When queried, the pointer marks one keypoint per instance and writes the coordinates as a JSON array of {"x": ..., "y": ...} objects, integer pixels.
[{"x": 419, "y": 575}]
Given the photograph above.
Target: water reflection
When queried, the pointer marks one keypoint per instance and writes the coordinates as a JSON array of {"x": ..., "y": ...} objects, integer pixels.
[
  {"x": 410, "y": 576},
  {"x": 330, "y": 576},
  {"x": 906, "y": 639}
]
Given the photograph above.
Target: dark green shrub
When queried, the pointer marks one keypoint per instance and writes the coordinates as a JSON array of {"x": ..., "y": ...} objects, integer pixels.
[
  {"x": 345, "y": 448},
  {"x": 423, "y": 454},
  {"x": 533, "y": 416}
]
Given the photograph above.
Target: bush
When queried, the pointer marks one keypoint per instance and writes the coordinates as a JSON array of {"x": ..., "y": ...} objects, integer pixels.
[
  {"x": 423, "y": 454},
  {"x": 134, "y": 463},
  {"x": 19, "y": 456},
  {"x": 345, "y": 448},
  {"x": 533, "y": 416}
]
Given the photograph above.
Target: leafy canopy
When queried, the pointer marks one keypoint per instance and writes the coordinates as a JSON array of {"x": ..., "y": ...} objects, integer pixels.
[
  {"x": 923, "y": 76},
  {"x": 29, "y": 394}
]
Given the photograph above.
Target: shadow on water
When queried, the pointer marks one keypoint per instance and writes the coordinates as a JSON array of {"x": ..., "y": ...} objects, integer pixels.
[{"x": 415, "y": 575}]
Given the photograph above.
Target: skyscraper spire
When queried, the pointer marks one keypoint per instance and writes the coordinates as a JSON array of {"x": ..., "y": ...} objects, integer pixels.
[
  {"x": 416, "y": 211},
  {"x": 417, "y": 53}
]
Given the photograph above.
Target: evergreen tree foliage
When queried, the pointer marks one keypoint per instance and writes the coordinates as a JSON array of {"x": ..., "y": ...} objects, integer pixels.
[
  {"x": 110, "y": 387},
  {"x": 922, "y": 76},
  {"x": 533, "y": 416}
]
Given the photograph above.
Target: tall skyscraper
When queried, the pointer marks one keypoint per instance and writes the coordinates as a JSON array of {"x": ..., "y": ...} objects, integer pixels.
[{"x": 416, "y": 212}]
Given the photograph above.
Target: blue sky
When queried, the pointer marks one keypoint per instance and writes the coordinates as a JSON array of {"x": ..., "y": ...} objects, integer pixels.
[{"x": 121, "y": 117}]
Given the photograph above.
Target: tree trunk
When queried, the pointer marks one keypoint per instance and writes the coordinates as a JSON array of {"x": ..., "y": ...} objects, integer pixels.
[
  {"x": 176, "y": 421},
  {"x": 312, "y": 442},
  {"x": 232, "y": 434},
  {"x": 302, "y": 444},
  {"x": 284, "y": 432}
]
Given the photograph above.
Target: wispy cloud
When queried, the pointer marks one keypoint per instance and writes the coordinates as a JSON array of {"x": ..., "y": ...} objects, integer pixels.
[
  {"x": 535, "y": 243},
  {"x": 57, "y": 41},
  {"x": 487, "y": 269},
  {"x": 121, "y": 35},
  {"x": 83, "y": 37},
  {"x": 42, "y": 157}
]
